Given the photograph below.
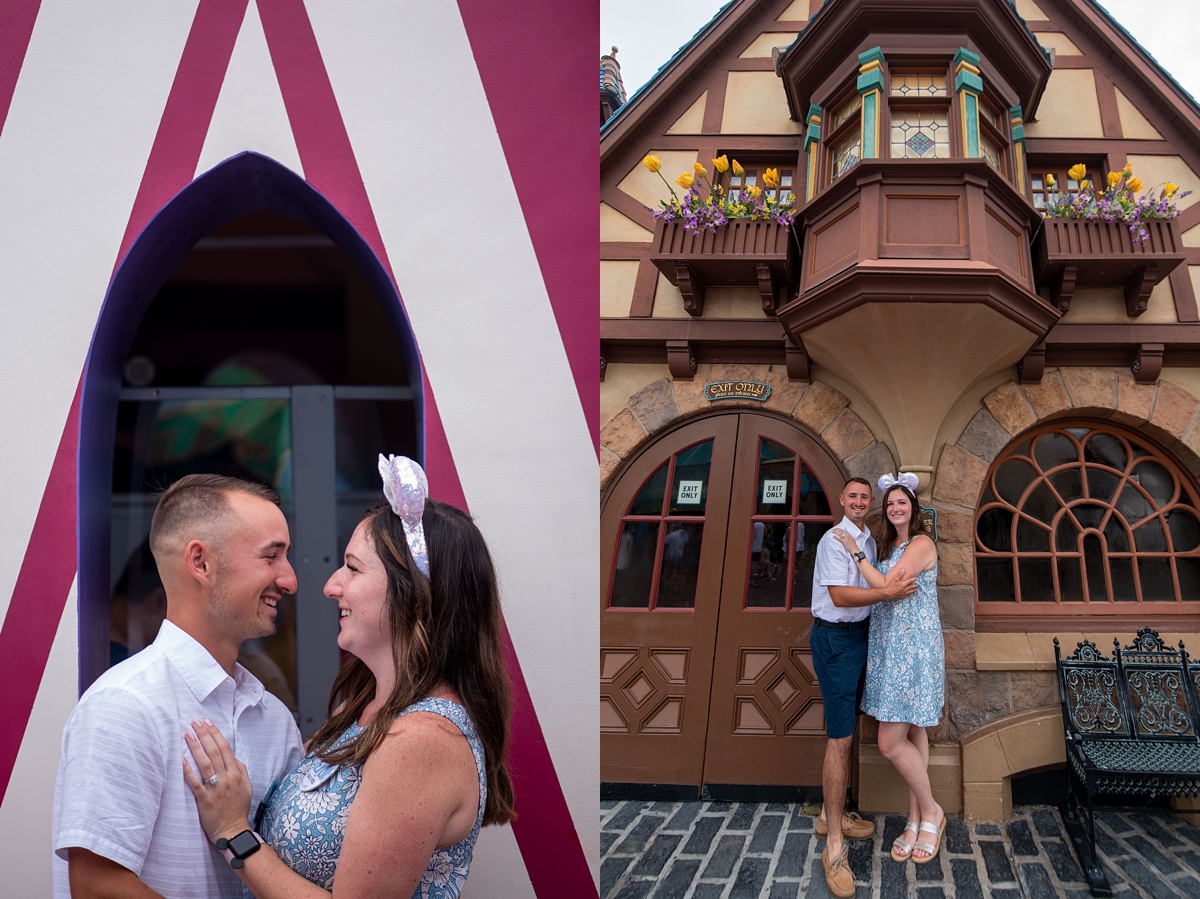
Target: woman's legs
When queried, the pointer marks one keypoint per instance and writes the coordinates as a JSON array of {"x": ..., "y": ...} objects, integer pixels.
[{"x": 907, "y": 748}]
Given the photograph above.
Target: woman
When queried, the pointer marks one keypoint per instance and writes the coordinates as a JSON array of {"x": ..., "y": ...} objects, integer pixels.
[
  {"x": 906, "y": 662},
  {"x": 390, "y": 798}
]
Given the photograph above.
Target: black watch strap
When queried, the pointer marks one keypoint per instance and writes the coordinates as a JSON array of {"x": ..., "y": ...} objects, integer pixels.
[
  {"x": 242, "y": 846},
  {"x": 859, "y": 556}
]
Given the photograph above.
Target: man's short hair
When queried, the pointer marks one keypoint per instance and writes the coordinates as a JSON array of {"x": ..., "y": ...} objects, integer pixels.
[
  {"x": 199, "y": 502},
  {"x": 856, "y": 480}
]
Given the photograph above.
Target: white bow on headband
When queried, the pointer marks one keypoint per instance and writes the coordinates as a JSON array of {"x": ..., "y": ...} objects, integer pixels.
[
  {"x": 406, "y": 489},
  {"x": 906, "y": 479}
]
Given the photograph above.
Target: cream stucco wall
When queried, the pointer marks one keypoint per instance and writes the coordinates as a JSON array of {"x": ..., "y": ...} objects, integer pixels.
[
  {"x": 617, "y": 279},
  {"x": 719, "y": 302},
  {"x": 668, "y": 300},
  {"x": 797, "y": 11},
  {"x": 1030, "y": 11},
  {"x": 765, "y": 42},
  {"x": 1069, "y": 107},
  {"x": 1187, "y": 378},
  {"x": 1058, "y": 42},
  {"x": 1158, "y": 170},
  {"x": 756, "y": 104},
  {"x": 1191, "y": 237},
  {"x": 1102, "y": 304},
  {"x": 1133, "y": 123},
  {"x": 647, "y": 187},
  {"x": 692, "y": 121},
  {"x": 617, "y": 227}
]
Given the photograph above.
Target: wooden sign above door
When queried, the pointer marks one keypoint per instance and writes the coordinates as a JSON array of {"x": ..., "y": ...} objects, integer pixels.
[{"x": 736, "y": 390}]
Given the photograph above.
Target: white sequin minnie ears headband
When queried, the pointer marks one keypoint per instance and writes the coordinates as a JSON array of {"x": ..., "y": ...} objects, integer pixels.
[
  {"x": 406, "y": 489},
  {"x": 906, "y": 479}
]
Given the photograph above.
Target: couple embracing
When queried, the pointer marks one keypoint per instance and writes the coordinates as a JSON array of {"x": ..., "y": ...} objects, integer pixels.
[{"x": 877, "y": 648}]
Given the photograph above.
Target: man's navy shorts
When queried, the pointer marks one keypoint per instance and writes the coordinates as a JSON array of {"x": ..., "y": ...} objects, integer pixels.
[{"x": 840, "y": 660}]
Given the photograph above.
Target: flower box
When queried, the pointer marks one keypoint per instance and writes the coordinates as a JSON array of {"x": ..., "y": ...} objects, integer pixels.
[
  {"x": 1075, "y": 253},
  {"x": 742, "y": 252}
]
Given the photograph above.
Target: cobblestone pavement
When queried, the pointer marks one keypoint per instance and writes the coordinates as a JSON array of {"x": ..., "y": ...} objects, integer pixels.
[{"x": 730, "y": 850}]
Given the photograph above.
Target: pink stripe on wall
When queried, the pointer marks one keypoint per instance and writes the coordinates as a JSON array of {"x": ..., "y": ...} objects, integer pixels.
[
  {"x": 188, "y": 113},
  {"x": 546, "y": 835},
  {"x": 39, "y": 597},
  {"x": 16, "y": 28},
  {"x": 540, "y": 70}
]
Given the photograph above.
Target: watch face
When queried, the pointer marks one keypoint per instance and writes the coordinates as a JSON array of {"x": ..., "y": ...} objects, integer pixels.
[{"x": 244, "y": 843}]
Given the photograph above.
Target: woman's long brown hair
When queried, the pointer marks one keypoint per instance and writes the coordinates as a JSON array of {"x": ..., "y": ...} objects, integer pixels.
[{"x": 445, "y": 629}]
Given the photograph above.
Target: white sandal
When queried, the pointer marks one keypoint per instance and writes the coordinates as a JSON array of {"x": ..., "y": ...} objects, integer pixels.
[
  {"x": 905, "y": 848},
  {"x": 925, "y": 845}
]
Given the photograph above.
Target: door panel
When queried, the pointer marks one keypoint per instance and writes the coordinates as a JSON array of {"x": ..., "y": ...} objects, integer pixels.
[
  {"x": 766, "y": 724},
  {"x": 659, "y": 603}
]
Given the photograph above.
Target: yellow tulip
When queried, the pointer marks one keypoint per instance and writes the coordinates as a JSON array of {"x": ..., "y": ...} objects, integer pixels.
[
  {"x": 1114, "y": 178},
  {"x": 771, "y": 177},
  {"x": 754, "y": 191},
  {"x": 1050, "y": 182},
  {"x": 653, "y": 163},
  {"x": 1169, "y": 188},
  {"x": 1077, "y": 171},
  {"x": 1134, "y": 184},
  {"x": 1128, "y": 170},
  {"x": 1084, "y": 185},
  {"x": 701, "y": 172},
  {"x": 737, "y": 169},
  {"x": 721, "y": 164},
  {"x": 685, "y": 180}
]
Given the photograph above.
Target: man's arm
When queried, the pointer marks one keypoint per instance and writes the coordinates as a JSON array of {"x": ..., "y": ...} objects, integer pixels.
[
  {"x": 96, "y": 877},
  {"x": 855, "y": 597}
]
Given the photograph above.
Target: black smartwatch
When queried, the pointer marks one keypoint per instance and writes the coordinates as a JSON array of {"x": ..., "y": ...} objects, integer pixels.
[
  {"x": 859, "y": 556},
  {"x": 244, "y": 844}
]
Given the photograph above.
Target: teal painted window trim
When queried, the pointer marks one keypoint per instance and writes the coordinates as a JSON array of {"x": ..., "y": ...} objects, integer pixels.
[
  {"x": 972, "y": 116},
  {"x": 968, "y": 80},
  {"x": 965, "y": 55},
  {"x": 869, "y": 113},
  {"x": 813, "y": 132},
  {"x": 872, "y": 55},
  {"x": 872, "y": 80}
]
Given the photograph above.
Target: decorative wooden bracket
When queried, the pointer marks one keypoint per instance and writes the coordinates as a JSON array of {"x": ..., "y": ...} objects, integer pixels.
[
  {"x": 1137, "y": 291},
  {"x": 1148, "y": 363},
  {"x": 692, "y": 289},
  {"x": 681, "y": 360},
  {"x": 799, "y": 365},
  {"x": 1030, "y": 369},
  {"x": 1063, "y": 288},
  {"x": 767, "y": 288}
]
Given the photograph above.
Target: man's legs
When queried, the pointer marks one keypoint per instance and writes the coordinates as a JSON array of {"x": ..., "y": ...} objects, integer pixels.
[{"x": 834, "y": 774}]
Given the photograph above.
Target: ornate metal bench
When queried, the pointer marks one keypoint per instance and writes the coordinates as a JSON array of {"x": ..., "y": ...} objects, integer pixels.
[{"x": 1132, "y": 728}]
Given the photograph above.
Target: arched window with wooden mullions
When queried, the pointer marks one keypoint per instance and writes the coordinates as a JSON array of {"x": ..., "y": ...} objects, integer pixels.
[
  {"x": 658, "y": 552},
  {"x": 1081, "y": 518}
]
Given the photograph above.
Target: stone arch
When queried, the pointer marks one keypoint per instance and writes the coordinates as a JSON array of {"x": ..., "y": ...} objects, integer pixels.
[
  {"x": 821, "y": 408},
  {"x": 992, "y": 754},
  {"x": 1162, "y": 410}
]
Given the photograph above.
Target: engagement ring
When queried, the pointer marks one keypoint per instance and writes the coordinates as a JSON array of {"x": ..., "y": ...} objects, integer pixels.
[{"x": 212, "y": 781}]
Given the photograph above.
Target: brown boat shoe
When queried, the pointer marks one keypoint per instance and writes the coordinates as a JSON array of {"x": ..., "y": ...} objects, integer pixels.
[
  {"x": 838, "y": 877},
  {"x": 853, "y": 828}
]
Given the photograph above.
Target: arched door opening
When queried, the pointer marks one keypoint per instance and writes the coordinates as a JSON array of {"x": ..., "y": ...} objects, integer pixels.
[
  {"x": 272, "y": 348},
  {"x": 707, "y": 542}
]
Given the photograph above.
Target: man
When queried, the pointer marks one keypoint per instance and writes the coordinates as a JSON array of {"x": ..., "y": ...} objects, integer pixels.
[
  {"x": 125, "y": 821},
  {"x": 841, "y": 602}
]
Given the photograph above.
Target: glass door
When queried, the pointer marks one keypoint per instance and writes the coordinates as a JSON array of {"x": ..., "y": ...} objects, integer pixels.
[{"x": 316, "y": 445}]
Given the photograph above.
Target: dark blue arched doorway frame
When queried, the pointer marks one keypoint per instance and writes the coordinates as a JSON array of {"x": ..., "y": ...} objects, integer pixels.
[{"x": 245, "y": 183}]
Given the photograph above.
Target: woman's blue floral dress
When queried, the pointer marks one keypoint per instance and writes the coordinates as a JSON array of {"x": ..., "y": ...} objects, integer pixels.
[
  {"x": 906, "y": 657},
  {"x": 306, "y": 815}
]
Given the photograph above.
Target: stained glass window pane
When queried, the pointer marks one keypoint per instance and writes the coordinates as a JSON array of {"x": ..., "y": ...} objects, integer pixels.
[
  {"x": 918, "y": 84},
  {"x": 849, "y": 108},
  {"x": 920, "y": 134},
  {"x": 680, "y": 566},
  {"x": 635, "y": 565},
  {"x": 991, "y": 153},
  {"x": 846, "y": 154}
]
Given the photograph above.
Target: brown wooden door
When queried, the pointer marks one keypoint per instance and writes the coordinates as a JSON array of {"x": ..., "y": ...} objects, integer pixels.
[
  {"x": 705, "y": 671},
  {"x": 766, "y": 723},
  {"x": 660, "y": 593}
]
